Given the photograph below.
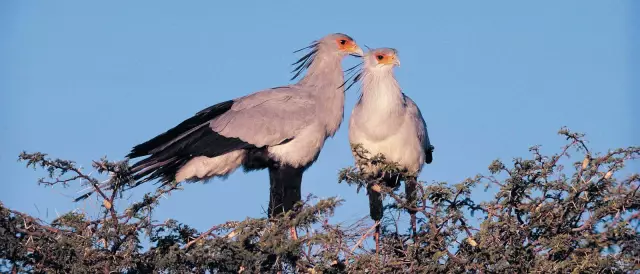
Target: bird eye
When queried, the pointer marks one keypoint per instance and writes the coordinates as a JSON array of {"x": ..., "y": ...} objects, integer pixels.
[
  {"x": 342, "y": 42},
  {"x": 380, "y": 57}
]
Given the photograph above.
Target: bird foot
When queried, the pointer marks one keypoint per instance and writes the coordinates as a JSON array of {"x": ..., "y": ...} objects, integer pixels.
[{"x": 293, "y": 232}]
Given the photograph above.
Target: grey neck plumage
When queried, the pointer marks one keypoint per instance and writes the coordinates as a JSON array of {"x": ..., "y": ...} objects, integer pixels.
[
  {"x": 324, "y": 79},
  {"x": 325, "y": 70}
]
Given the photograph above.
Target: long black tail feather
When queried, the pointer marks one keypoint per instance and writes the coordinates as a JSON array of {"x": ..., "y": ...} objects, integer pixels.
[
  {"x": 171, "y": 150},
  {"x": 165, "y": 164},
  {"x": 201, "y": 117}
]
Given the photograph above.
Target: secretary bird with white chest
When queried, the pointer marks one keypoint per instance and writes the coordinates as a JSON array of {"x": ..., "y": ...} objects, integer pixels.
[
  {"x": 386, "y": 121},
  {"x": 282, "y": 129}
]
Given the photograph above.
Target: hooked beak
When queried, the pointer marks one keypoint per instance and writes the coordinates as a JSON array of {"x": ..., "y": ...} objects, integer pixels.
[
  {"x": 356, "y": 51},
  {"x": 396, "y": 61}
]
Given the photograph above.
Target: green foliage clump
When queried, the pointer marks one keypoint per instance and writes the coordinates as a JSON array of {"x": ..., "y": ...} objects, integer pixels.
[{"x": 545, "y": 217}]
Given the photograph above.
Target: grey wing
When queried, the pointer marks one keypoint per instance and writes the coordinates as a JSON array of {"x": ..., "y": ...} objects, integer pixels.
[
  {"x": 268, "y": 117},
  {"x": 421, "y": 129}
]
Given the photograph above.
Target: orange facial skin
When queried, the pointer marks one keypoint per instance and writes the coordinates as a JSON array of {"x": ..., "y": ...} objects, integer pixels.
[
  {"x": 385, "y": 59},
  {"x": 347, "y": 45}
]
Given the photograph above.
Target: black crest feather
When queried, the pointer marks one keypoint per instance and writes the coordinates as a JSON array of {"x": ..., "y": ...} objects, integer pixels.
[
  {"x": 305, "y": 61},
  {"x": 353, "y": 75}
]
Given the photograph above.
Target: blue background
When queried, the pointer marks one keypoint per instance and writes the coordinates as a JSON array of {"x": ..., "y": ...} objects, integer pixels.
[{"x": 86, "y": 79}]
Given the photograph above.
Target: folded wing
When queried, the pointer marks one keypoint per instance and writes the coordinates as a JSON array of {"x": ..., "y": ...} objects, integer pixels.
[
  {"x": 265, "y": 118},
  {"x": 421, "y": 128}
]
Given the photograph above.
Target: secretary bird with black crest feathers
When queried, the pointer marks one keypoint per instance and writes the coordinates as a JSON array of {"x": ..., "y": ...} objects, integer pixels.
[
  {"x": 282, "y": 129},
  {"x": 386, "y": 121}
]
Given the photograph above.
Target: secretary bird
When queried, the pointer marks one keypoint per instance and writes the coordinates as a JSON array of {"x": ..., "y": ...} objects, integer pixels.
[
  {"x": 386, "y": 121},
  {"x": 282, "y": 129}
]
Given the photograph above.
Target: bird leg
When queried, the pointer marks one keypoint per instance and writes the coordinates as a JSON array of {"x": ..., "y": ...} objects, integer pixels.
[
  {"x": 292, "y": 193},
  {"x": 410, "y": 190},
  {"x": 375, "y": 209},
  {"x": 276, "y": 192},
  {"x": 285, "y": 188}
]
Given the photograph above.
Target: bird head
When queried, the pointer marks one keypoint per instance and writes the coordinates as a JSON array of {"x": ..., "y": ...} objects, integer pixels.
[
  {"x": 341, "y": 44},
  {"x": 381, "y": 58},
  {"x": 374, "y": 61},
  {"x": 336, "y": 43}
]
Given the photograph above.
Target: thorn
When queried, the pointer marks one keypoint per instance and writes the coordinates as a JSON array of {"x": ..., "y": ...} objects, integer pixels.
[
  {"x": 25, "y": 224},
  {"x": 293, "y": 232}
]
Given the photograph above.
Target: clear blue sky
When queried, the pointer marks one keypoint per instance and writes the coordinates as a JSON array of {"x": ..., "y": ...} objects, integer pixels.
[{"x": 491, "y": 77}]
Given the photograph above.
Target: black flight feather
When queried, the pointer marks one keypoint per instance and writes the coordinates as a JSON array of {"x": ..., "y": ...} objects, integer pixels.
[
  {"x": 164, "y": 138},
  {"x": 173, "y": 149},
  {"x": 203, "y": 142}
]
